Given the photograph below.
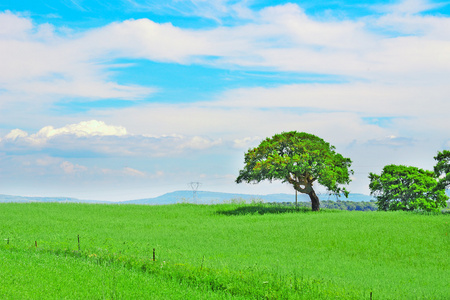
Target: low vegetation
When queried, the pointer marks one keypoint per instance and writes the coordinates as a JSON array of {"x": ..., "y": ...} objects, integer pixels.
[
  {"x": 339, "y": 204},
  {"x": 227, "y": 251}
]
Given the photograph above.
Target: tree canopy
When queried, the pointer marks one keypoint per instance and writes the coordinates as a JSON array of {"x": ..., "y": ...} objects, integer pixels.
[
  {"x": 300, "y": 159},
  {"x": 401, "y": 187}
]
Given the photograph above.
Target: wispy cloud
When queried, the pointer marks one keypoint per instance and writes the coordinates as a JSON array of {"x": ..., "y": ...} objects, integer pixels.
[
  {"x": 408, "y": 7},
  {"x": 392, "y": 141},
  {"x": 70, "y": 168},
  {"x": 374, "y": 99},
  {"x": 76, "y": 4},
  {"x": 246, "y": 142},
  {"x": 215, "y": 10},
  {"x": 133, "y": 172},
  {"x": 39, "y": 62}
]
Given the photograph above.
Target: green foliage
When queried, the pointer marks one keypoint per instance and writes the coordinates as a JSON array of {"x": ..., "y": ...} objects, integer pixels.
[
  {"x": 298, "y": 158},
  {"x": 407, "y": 188},
  {"x": 442, "y": 168}
]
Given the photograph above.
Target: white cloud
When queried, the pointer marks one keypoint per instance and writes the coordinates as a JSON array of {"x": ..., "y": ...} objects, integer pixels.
[
  {"x": 133, "y": 172},
  {"x": 246, "y": 142},
  {"x": 299, "y": 30},
  {"x": 91, "y": 128},
  {"x": 198, "y": 142},
  {"x": 392, "y": 141},
  {"x": 13, "y": 26},
  {"x": 83, "y": 129},
  {"x": 70, "y": 168},
  {"x": 16, "y": 134},
  {"x": 48, "y": 161},
  {"x": 33, "y": 165}
]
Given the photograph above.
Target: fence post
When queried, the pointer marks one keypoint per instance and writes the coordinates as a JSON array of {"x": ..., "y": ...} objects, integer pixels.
[
  {"x": 79, "y": 243},
  {"x": 154, "y": 254},
  {"x": 35, "y": 244}
]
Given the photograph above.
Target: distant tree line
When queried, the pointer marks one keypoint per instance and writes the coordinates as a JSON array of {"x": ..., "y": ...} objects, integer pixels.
[
  {"x": 342, "y": 205},
  {"x": 345, "y": 205}
]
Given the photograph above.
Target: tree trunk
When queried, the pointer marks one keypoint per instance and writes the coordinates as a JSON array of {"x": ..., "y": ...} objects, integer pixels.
[{"x": 315, "y": 203}]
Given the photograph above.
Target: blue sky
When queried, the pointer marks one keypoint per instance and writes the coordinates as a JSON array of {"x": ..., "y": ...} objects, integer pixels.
[{"x": 125, "y": 99}]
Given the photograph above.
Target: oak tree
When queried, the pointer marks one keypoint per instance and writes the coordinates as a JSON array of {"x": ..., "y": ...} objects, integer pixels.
[{"x": 300, "y": 159}]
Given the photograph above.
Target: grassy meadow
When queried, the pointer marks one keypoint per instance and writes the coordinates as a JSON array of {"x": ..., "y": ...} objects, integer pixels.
[{"x": 225, "y": 251}]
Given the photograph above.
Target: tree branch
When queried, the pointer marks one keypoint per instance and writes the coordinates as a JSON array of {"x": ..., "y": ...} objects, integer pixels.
[{"x": 298, "y": 183}]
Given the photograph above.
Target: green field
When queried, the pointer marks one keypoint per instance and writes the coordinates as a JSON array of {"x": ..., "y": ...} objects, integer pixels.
[{"x": 226, "y": 251}]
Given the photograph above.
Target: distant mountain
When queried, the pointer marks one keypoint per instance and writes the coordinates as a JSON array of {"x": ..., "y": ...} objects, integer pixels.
[
  {"x": 188, "y": 197},
  {"x": 21, "y": 199},
  {"x": 201, "y": 197},
  {"x": 204, "y": 197}
]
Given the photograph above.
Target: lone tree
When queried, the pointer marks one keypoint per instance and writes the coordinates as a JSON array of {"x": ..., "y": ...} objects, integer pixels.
[
  {"x": 300, "y": 159},
  {"x": 407, "y": 188}
]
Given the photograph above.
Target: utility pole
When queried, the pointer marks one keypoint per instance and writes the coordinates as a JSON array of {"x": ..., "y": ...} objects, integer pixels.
[{"x": 194, "y": 187}]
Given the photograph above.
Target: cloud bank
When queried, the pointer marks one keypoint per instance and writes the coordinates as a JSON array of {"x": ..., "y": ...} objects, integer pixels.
[
  {"x": 97, "y": 138},
  {"x": 43, "y": 60}
]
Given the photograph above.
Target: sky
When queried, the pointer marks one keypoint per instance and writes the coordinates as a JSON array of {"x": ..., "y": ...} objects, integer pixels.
[{"x": 127, "y": 99}]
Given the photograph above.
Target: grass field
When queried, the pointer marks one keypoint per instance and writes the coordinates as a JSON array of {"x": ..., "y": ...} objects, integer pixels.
[{"x": 227, "y": 251}]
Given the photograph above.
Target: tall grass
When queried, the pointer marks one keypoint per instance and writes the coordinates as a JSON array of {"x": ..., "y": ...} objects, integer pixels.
[
  {"x": 45, "y": 275},
  {"x": 242, "y": 250}
]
